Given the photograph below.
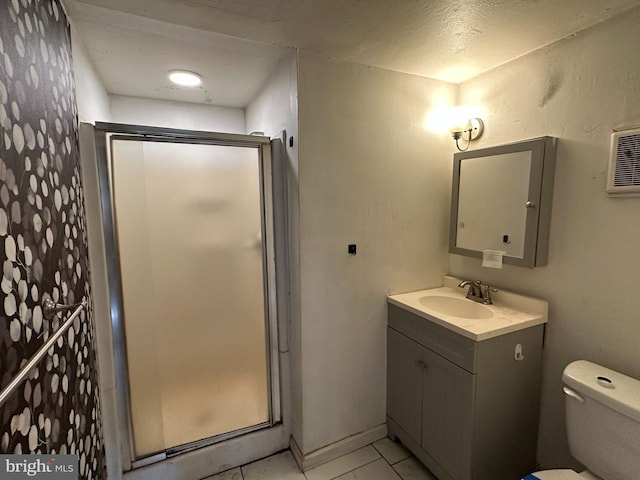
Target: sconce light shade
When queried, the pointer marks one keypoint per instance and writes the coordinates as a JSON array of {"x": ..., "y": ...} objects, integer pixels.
[{"x": 463, "y": 122}]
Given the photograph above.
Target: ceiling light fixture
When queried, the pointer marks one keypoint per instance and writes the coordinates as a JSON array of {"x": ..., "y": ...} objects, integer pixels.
[{"x": 185, "y": 78}]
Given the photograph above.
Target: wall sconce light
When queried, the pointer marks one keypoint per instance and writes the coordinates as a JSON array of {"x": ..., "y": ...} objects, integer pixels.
[{"x": 467, "y": 131}]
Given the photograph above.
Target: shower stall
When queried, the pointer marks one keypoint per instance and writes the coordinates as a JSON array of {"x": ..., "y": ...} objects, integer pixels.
[{"x": 187, "y": 226}]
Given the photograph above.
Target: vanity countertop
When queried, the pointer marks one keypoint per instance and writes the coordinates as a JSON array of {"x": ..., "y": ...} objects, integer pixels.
[{"x": 510, "y": 311}]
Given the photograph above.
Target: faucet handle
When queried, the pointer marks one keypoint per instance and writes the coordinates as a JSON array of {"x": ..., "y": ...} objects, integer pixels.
[{"x": 485, "y": 291}]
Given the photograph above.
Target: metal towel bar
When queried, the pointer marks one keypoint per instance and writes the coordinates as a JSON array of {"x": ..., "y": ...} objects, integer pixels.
[
  {"x": 24, "y": 371},
  {"x": 50, "y": 308}
]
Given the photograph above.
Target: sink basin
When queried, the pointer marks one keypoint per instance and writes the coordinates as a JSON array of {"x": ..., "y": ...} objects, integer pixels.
[
  {"x": 456, "y": 307},
  {"x": 447, "y": 307}
]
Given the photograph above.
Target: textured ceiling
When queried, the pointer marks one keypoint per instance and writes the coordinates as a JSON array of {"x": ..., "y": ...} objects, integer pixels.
[
  {"x": 133, "y": 55},
  {"x": 450, "y": 40}
]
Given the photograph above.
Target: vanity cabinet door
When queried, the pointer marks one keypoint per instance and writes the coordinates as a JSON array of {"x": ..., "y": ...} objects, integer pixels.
[
  {"x": 447, "y": 418},
  {"x": 467, "y": 410},
  {"x": 404, "y": 382}
]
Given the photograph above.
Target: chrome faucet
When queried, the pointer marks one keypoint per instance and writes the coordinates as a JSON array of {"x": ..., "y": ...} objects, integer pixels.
[{"x": 478, "y": 291}]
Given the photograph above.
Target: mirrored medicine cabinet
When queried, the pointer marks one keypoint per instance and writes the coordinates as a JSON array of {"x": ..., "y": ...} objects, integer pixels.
[{"x": 501, "y": 200}]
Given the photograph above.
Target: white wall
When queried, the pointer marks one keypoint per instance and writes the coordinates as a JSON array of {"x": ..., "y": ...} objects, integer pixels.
[
  {"x": 577, "y": 90},
  {"x": 92, "y": 98},
  {"x": 369, "y": 174},
  {"x": 274, "y": 110},
  {"x": 94, "y": 105},
  {"x": 275, "y": 107},
  {"x": 186, "y": 116}
]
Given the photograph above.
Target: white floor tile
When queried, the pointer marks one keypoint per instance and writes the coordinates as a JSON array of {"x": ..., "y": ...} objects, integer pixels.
[
  {"x": 392, "y": 451},
  {"x": 276, "y": 467},
  {"x": 378, "y": 470},
  {"x": 343, "y": 464},
  {"x": 233, "y": 474},
  {"x": 413, "y": 469}
]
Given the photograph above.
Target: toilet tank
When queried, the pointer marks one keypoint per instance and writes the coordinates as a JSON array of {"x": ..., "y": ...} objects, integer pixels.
[{"x": 603, "y": 420}]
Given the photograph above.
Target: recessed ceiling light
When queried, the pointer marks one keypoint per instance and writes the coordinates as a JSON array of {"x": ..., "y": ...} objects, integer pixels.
[{"x": 184, "y": 78}]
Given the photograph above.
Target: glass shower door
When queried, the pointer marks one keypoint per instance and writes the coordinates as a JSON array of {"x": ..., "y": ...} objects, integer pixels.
[{"x": 189, "y": 230}]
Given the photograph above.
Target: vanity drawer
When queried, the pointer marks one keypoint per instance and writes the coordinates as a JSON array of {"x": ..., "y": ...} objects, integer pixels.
[{"x": 450, "y": 345}]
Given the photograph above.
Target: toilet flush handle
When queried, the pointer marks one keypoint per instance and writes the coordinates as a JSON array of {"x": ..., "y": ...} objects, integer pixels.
[{"x": 573, "y": 394}]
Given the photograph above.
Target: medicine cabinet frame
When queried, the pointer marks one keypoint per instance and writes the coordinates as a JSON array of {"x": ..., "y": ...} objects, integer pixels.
[{"x": 536, "y": 209}]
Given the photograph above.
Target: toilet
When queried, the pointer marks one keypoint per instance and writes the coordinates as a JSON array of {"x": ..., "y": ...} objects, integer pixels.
[{"x": 603, "y": 424}]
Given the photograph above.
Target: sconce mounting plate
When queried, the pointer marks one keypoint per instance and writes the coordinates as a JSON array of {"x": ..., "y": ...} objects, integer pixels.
[{"x": 475, "y": 127}]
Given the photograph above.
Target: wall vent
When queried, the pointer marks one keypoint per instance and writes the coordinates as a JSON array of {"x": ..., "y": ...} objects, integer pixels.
[{"x": 624, "y": 164}]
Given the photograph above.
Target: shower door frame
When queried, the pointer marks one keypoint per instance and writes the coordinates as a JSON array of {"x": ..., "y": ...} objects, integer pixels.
[{"x": 104, "y": 133}]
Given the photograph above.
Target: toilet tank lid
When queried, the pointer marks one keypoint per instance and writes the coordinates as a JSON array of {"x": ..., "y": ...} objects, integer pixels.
[{"x": 613, "y": 389}]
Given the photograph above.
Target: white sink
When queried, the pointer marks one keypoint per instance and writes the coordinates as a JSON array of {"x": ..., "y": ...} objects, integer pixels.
[
  {"x": 456, "y": 307},
  {"x": 448, "y": 307}
]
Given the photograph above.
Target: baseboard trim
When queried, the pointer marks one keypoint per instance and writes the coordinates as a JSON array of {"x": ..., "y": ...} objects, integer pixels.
[{"x": 337, "y": 449}]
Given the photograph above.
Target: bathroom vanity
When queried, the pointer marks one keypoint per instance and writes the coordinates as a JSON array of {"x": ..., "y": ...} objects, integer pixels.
[{"x": 463, "y": 381}]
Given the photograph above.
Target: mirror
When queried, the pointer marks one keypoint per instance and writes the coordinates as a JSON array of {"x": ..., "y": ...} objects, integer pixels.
[{"x": 501, "y": 200}]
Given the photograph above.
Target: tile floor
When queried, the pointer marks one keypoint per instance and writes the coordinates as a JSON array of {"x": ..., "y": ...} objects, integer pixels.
[{"x": 382, "y": 460}]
